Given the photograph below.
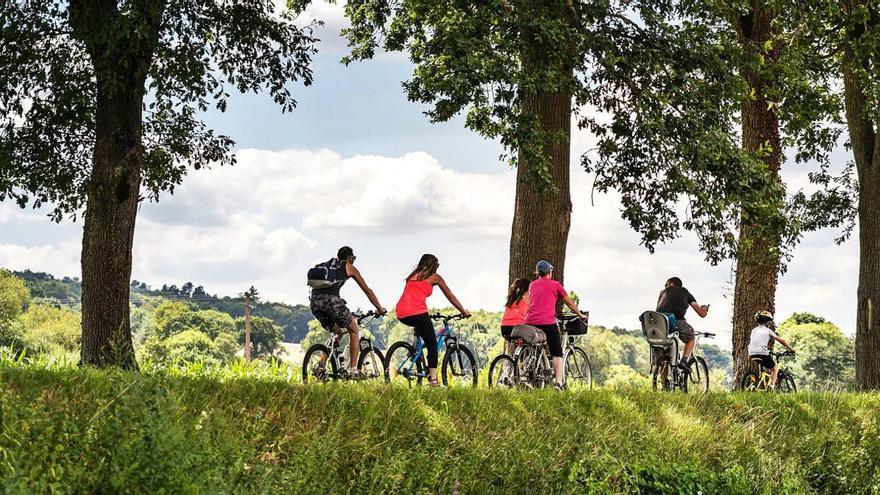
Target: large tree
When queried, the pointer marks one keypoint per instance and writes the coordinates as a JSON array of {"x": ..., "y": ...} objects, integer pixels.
[
  {"x": 510, "y": 66},
  {"x": 99, "y": 104},
  {"x": 861, "y": 79}
]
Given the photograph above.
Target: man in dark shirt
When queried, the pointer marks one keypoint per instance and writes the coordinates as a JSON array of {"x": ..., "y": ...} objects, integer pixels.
[{"x": 675, "y": 299}]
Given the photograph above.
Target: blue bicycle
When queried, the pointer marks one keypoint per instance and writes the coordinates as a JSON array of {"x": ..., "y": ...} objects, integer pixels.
[{"x": 406, "y": 363}]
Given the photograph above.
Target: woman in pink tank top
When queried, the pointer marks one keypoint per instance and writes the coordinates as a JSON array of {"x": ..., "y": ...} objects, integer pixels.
[{"x": 412, "y": 308}]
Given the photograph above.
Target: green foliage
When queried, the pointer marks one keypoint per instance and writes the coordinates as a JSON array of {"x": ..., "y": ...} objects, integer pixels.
[
  {"x": 666, "y": 79},
  {"x": 44, "y": 286},
  {"x": 170, "y": 318},
  {"x": 247, "y": 429},
  {"x": 14, "y": 299},
  {"x": 265, "y": 336},
  {"x": 51, "y": 330},
  {"x": 825, "y": 357},
  {"x": 60, "y": 58}
]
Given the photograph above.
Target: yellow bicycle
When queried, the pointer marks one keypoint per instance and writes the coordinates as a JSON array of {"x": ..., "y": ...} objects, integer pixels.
[{"x": 758, "y": 377}]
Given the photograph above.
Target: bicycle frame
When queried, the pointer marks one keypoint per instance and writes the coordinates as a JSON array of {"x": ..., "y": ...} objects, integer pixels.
[{"x": 332, "y": 343}]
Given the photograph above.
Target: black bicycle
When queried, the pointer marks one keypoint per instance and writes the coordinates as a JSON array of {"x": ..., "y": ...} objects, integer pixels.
[
  {"x": 326, "y": 362},
  {"x": 758, "y": 377}
]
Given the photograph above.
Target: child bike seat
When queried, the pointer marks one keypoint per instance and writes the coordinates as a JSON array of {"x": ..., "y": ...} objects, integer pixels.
[{"x": 529, "y": 334}]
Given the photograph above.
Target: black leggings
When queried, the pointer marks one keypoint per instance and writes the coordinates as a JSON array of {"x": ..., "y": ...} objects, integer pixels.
[
  {"x": 424, "y": 328},
  {"x": 554, "y": 340}
]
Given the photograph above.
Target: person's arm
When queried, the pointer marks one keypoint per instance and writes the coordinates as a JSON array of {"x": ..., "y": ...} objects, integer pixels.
[
  {"x": 356, "y": 275},
  {"x": 439, "y": 282},
  {"x": 700, "y": 310}
]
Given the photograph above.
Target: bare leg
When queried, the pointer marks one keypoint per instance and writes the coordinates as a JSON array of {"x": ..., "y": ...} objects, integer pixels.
[
  {"x": 432, "y": 374},
  {"x": 688, "y": 349},
  {"x": 557, "y": 369},
  {"x": 354, "y": 344},
  {"x": 774, "y": 375}
]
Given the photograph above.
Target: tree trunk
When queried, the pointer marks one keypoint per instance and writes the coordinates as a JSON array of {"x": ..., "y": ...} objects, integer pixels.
[
  {"x": 542, "y": 215},
  {"x": 108, "y": 236},
  {"x": 757, "y": 261},
  {"x": 866, "y": 152},
  {"x": 120, "y": 66}
]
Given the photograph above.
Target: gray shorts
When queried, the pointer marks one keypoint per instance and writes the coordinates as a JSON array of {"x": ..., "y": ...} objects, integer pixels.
[
  {"x": 330, "y": 310},
  {"x": 685, "y": 330}
]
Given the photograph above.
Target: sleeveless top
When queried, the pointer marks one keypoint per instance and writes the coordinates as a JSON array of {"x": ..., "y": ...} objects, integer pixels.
[
  {"x": 334, "y": 289},
  {"x": 414, "y": 300},
  {"x": 515, "y": 314}
]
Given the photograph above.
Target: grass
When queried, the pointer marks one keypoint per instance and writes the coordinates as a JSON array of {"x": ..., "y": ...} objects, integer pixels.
[{"x": 248, "y": 429}]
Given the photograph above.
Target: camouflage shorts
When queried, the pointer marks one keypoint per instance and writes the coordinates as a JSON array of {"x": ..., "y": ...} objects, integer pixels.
[{"x": 330, "y": 310}]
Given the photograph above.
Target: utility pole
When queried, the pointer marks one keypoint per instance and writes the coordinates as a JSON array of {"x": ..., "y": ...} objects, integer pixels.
[{"x": 247, "y": 322}]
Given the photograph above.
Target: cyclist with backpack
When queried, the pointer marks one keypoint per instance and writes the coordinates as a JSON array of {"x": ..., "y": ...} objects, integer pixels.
[
  {"x": 544, "y": 293},
  {"x": 674, "y": 299},
  {"x": 328, "y": 307},
  {"x": 760, "y": 342},
  {"x": 412, "y": 308}
]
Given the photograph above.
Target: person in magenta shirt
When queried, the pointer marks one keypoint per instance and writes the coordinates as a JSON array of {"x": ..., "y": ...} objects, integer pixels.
[
  {"x": 412, "y": 308},
  {"x": 544, "y": 293}
]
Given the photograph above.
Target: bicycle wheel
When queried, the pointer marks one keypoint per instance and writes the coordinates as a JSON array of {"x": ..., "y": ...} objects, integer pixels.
[
  {"x": 459, "y": 367},
  {"x": 578, "y": 369},
  {"x": 400, "y": 365},
  {"x": 699, "y": 375},
  {"x": 501, "y": 372},
  {"x": 371, "y": 364},
  {"x": 786, "y": 383},
  {"x": 317, "y": 365},
  {"x": 660, "y": 377}
]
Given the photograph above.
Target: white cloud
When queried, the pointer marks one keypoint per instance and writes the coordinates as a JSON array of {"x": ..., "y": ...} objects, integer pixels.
[{"x": 60, "y": 259}]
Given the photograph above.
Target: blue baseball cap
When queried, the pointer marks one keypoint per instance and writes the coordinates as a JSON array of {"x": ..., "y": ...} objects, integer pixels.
[{"x": 543, "y": 267}]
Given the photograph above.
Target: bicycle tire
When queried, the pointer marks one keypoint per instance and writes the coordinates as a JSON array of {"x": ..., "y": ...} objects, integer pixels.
[
  {"x": 398, "y": 354},
  {"x": 786, "y": 383},
  {"x": 371, "y": 364},
  {"x": 458, "y": 361},
  {"x": 502, "y": 372},
  {"x": 699, "y": 374},
  {"x": 580, "y": 362},
  {"x": 319, "y": 375}
]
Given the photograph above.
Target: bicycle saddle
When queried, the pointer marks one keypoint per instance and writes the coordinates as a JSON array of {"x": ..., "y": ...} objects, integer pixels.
[{"x": 529, "y": 334}]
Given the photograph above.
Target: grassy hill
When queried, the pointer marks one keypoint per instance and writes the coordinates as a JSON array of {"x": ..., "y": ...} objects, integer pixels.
[{"x": 250, "y": 431}]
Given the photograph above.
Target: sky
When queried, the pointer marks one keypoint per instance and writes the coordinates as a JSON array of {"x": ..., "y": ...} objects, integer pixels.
[{"x": 357, "y": 164}]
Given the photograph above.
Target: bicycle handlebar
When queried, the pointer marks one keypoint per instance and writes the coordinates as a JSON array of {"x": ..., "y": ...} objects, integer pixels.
[
  {"x": 785, "y": 353},
  {"x": 705, "y": 334},
  {"x": 446, "y": 318},
  {"x": 363, "y": 316}
]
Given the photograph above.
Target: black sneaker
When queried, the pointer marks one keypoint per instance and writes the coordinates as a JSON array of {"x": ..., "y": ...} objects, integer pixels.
[
  {"x": 685, "y": 365},
  {"x": 560, "y": 387}
]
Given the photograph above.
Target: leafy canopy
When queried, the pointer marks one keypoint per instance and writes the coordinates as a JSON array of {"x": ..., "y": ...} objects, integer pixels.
[
  {"x": 57, "y": 58},
  {"x": 657, "y": 82}
]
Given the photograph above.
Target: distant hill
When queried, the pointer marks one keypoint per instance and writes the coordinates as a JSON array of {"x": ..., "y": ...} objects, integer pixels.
[{"x": 293, "y": 319}]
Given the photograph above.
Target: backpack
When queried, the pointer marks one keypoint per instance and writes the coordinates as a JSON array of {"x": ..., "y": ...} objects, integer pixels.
[{"x": 326, "y": 275}]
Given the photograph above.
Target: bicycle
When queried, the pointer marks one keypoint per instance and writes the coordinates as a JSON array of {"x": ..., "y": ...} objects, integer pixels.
[
  {"x": 326, "y": 362},
  {"x": 758, "y": 378},
  {"x": 530, "y": 367},
  {"x": 405, "y": 362},
  {"x": 666, "y": 354}
]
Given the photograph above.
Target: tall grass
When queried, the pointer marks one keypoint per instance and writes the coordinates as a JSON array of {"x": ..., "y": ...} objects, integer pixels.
[{"x": 251, "y": 428}]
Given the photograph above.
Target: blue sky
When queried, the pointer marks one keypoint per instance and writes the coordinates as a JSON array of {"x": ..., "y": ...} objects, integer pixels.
[{"x": 357, "y": 164}]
